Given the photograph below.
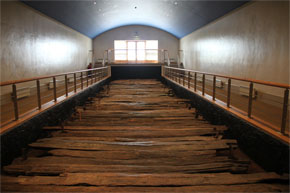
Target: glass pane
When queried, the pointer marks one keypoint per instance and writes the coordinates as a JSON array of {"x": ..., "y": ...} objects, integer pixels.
[
  {"x": 152, "y": 44},
  {"x": 120, "y": 55},
  {"x": 120, "y": 44},
  {"x": 151, "y": 54},
  {"x": 131, "y": 50},
  {"x": 141, "y": 45},
  {"x": 152, "y": 50},
  {"x": 120, "y": 49},
  {"x": 140, "y": 50}
]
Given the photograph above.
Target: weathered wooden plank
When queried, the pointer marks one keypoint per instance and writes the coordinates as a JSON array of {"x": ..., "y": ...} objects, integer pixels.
[
  {"x": 133, "y": 122},
  {"x": 150, "y": 143},
  {"x": 121, "y": 179},
  {"x": 163, "y": 128},
  {"x": 137, "y": 133},
  {"x": 190, "y": 139},
  {"x": 156, "y": 113},
  {"x": 69, "y": 160},
  {"x": 57, "y": 169},
  {"x": 85, "y": 145},
  {"x": 133, "y": 154},
  {"x": 182, "y": 189}
]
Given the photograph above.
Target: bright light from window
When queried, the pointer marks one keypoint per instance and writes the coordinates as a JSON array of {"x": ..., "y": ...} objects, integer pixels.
[
  {"x": 131, "y": 50},
  {"x": 120, "y": 50},
  {"x": 141, "y": 50},
  {"x": 136, "y": 50},
  {"x": 152, "y": 44}
]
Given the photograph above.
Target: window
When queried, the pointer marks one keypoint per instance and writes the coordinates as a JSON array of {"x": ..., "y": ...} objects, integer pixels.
[
  {"x": 120, "y": 50},
  {"x": 151, "y": 52},
  {"x": 136, "y": 50}
]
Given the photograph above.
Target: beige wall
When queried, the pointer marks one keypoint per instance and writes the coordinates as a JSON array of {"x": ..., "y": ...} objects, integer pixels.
[
  {"x": 250, "y": 42},
  {"x": 33, "y": 44},
  {"x": 106, "y": 40}
]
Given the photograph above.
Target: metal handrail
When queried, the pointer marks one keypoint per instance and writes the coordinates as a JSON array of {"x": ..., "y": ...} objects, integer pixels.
[
  {"x": 174, "y": 74},
  {"x": 5, "y": 83},
  {"x": 93, "y": 75},
  {"x": 268, "y": 83}
]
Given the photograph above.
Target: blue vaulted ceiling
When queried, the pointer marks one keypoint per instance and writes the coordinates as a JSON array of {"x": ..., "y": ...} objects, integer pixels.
[{"x": 178, "y": 17}]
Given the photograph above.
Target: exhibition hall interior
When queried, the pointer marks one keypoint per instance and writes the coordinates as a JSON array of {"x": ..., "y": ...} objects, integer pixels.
[{"x": 144, "y": 96}]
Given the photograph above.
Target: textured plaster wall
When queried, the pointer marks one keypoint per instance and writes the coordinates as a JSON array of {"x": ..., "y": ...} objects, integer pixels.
[
  {"x": 33, "y": 44},
  {"x": 106, "y": 40},
  {"x": 250, "y": 42}
]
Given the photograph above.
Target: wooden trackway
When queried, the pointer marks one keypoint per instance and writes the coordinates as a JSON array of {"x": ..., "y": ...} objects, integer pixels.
[{"x": 135, "y": 136}]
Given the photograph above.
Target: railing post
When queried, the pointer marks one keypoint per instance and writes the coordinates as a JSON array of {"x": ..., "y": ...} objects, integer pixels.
[
  {"x": 107, "y": 57},
  {"x": 54, "y": 89},
  {"x": 66, "y": 86},
  {"x": 179, "y": 75},
  {"x": 82, "y": 84},
  {"x": 250, "y": 99},
  {"x": 165, "y": 71},
  {"x": 203, "y": 83},
  {"x": 75, "y": 82},
  {"x": 91, "y": 73},
  {"x": 229, "y": 93},
  {"x": 285, "y": 110},
  {"x": 38, "y": 94},
  {"x": 14, "y": 94},
  {"x": 188, "y": 80},
  {"x": 87, "y": 78},
  {"x": 195, "y": 77},
  {"x": 183, "y": 76},
  {"x": 213, "y": 88},
  {"x": 175, "y": 75},
  {"x": 95, "y": 76}
]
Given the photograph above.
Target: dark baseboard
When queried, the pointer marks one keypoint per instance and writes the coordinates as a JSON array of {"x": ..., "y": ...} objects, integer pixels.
[{"x": 135, "y": 72}]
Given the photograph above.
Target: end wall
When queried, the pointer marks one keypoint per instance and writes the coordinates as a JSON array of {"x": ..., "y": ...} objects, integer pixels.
[{"x": 106, "y": 40}]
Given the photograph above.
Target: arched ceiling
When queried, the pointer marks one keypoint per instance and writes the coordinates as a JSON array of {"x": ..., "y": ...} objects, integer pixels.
[{"x": 178, "y": 17}]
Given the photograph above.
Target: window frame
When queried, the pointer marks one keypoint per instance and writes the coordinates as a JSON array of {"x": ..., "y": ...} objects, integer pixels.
[{"x": 136, "y": 52}]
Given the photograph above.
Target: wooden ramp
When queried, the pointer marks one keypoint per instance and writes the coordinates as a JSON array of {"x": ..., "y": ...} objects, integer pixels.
[{"x": 135, "y": 136}]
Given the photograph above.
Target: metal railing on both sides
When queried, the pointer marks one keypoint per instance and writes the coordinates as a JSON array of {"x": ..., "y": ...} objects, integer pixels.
[
  {"x": 46, "y": 91},
  {"x": 205, "y": 84}
]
